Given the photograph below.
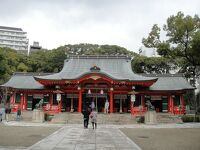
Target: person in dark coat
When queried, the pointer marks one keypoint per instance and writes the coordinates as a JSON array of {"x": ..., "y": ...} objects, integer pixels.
[
  {"x": 86, "y": 114},
  {"x": 18, "y": 114}
]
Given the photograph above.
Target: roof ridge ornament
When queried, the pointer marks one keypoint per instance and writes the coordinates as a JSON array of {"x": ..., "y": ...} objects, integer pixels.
[{"x": 95, "y": 68}]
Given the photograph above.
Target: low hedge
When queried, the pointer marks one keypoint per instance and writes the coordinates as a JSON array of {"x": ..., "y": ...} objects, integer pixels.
[
  {"x": 48, "y": 117},
  {"x": 140, "y": 119},
  {"x": 189, "y": 118}
]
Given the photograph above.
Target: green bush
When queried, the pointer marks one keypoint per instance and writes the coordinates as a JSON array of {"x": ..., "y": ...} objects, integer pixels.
[
  {"x": 140, "y": 119},
  {"x": 47, "y": 117},
  {"x": 189, "y": 118}
]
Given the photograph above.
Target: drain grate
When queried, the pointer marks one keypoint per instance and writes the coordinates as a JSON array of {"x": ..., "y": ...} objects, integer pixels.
[{"x": 143, "y": 137}]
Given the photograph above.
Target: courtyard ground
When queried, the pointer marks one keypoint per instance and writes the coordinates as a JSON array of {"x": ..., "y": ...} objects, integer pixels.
[
  {"x": 165, "y": 139},
  {"x": 38, "y": 136},
  {"x": 23, "y": 136}
]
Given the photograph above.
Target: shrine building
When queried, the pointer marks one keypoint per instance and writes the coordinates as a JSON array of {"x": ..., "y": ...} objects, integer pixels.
[{"x": 87, "y": 79}]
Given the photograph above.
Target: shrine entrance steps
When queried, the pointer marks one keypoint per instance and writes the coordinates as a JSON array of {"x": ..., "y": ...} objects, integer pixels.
[
  {"x": 115, "y": 118},
  {"x": 77, "y": 118},
  {"x": 168, "y": 118}
]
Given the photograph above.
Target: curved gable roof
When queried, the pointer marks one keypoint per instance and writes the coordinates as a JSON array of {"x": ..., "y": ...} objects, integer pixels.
[{"x": 115, "y": 67}]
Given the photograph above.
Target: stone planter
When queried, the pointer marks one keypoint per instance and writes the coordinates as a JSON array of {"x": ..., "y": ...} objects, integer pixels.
[
  {"x": 150, "y": 117},
  {"x": 38, "y": 115}
]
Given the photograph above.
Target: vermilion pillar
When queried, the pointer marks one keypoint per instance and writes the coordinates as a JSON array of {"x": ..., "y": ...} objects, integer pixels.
[
  {"x": 172, "y": 104},
  {"x": 51, "y": 99},
  {"x": 142, "y": 102},
  {"x": 111, "y": 101},
  {"x": 21, "y": 101},
  {"x": 60, "y": 107},
  {"x": 25, "y": 101},
  {"x": 169, "y": 104},
  {"x": 132, "y": 106},
  {"x": 182, "y": 104},
  {"x": 80, "y": 101}
]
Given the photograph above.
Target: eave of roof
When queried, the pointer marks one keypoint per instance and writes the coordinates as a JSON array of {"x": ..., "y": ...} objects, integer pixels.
[{"x": 23, "y": 81}]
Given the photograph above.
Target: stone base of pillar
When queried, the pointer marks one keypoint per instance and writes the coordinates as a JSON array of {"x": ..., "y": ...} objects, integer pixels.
[
  {"x": 38, "y": 115},
  {"x": 150, "y": 117}
]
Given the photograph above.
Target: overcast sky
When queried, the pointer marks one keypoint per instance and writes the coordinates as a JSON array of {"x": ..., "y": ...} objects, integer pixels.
[{"x": 120, "y": 22}]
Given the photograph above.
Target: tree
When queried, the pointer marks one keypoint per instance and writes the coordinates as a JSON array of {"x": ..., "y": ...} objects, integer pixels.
[
  {"x": 153, "y": 65},
  {"x": 182, "y": 42}
]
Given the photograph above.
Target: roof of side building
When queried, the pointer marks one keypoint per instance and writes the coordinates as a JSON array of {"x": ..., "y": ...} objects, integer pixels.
[
  {"x": 23, "y": 81},
  {"x": 169, "y": 82}
]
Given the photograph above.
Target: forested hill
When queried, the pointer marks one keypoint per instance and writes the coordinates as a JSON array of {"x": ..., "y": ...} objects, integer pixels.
[
  {"x": 94, "y": 49},
  {"x": 51, "y": 60}
]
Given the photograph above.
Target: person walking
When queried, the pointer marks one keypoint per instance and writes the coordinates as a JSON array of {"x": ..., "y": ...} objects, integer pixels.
[
  {"x": 93, "y": 117},
  {"x": 1, "y": 114},
  {"x": 86, "y": 114},
  {"x": 106, "y": 108},
  {"x": 18, "y": 114}
]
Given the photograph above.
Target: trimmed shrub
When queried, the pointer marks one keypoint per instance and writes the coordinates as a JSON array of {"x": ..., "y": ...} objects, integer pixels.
[
  {"x": 140, "y": 119},
  {"x": 189, "y": 118},
  {"x": 47, "y": 117}
]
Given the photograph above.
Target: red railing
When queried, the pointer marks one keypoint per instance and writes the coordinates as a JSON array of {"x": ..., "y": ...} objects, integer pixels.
[
  {"x": 138, "y": 110},
  {"x": 51, "y": 108},
  {"x": 179, "y": 110}
]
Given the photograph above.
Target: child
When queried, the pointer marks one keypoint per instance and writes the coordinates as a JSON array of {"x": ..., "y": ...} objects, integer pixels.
[{"x": 93, "y": 117}]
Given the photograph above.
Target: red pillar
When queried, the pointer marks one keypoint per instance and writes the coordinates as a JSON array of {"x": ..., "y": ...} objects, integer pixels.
[
  {"x": 169, "y": 103},
  {"x": 25, "y": 101},
  {"x": 142, "y": 102},
  {"x": 182, "y": 104},
  {"x": 132, "y": 106},
  {"x": 111, "y": 101},
  {"x": 172, "y": 104},
  {"x": 50, "y": 101},
  {"x": 21, "y": 101},
  {"x": 60, "y": 107},
  {"x": 80, "y": 101}
]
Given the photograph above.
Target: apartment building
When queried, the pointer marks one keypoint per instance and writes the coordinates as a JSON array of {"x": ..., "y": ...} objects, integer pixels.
[{"x": 14, "y": 38}]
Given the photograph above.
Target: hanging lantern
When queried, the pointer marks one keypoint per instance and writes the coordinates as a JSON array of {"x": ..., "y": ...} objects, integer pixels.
[
  {"x": 89, "y": 91},
  {"x": 58, "y": 97},
  {"x": 101, "y": 92},
  {"x": 133, "y": 98}
]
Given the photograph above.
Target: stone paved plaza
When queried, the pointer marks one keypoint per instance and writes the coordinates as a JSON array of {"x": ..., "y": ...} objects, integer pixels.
[{"x": 75, "y": 137}]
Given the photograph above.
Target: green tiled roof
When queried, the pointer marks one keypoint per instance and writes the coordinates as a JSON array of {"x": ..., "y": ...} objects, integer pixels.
[
  {"x": 115, "y": 67},
  {"x": 169, "y": 82},
  {"x": 23, "y": 81}
]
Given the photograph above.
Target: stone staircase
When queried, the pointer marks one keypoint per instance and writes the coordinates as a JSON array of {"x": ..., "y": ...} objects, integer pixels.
[
  {"x": 77, "y": 118},
  {"x": 168, "y": 118},
  {"x": 26, "y": 116},
  {"x": 115, "y": 118}
]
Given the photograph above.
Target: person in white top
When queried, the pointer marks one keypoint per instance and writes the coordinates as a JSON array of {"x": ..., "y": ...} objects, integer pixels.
[
  {"x": 93, "y": 116},
  {"x": 92, "y": 105},
  {"x": 106, "y": 108}
]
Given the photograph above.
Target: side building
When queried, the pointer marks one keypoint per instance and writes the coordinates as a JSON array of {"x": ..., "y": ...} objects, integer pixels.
[
  {"x": 96, "y": 79},
  {"x": 14, "y": 38}
]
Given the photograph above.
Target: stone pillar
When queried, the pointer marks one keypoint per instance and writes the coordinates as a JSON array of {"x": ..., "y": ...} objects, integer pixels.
[
  {"x": 38, "y": 115},
  {"x": 150, "y": 117}
]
